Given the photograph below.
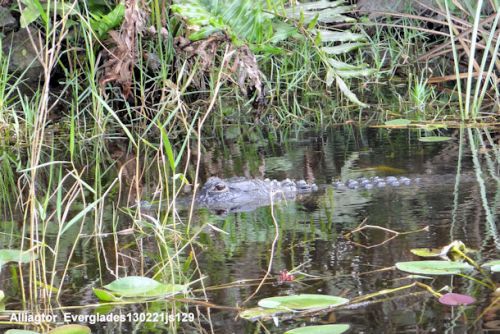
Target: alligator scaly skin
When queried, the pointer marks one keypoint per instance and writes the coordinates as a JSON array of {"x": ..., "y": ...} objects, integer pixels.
[
  {"x": 375, "y": 182},
  {"x": 241, "y": 194}
]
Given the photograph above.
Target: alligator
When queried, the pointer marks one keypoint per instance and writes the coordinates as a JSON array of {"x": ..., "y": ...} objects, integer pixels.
[{"x": 241, "y": 194}]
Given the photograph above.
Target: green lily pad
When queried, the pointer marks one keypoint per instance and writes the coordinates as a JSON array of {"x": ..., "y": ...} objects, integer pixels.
[
  {"x": 434, "y": 139},
  {"x": 493, "y": 264},
  {"x": 426, "y": 252},
  {"x": 433, "y": 267},
  {"x": 71, "y": 329},
  {"x": 259, "y": 312},
  {"x": 452, "y": 252},
  {"x": 105, "y": 295},
  {"x": 398, "y": 122},
  {"x": 137, "y": 286},
  {"x": 302, "y": 302},
  {"x": 322, "y": 329},
  {"x": 16, "y": 255}
]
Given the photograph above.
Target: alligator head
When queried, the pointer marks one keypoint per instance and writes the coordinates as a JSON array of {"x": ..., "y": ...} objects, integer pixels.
[{"x": 241, "y": 194}]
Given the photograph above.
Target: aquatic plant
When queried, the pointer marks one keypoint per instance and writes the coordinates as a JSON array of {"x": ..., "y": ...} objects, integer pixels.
[
  {"x": 261, "y": 26},
  {"x": 137, "y": 287}
]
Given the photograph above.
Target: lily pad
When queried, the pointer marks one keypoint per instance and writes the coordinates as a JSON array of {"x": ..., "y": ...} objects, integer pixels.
[
  {"x": 71, "y": 329},
  {"x": 105, "y": 295},
  {"x": 433, "y": 267},
  {"x": 302, "y": 302},
  {"x": 451, "y": 252},
  {"x": 454, "y": 299},
  {"x": 398, "y": 122},
  {"x": 137, "y": 286},
  {"x": 322, "y": 329},
  {"x": 16, "y": 255},
  {"x": 426, "y": 252},
  {"x": 259, "y": 312},
  {"x": 434, "y": 139},
  {"x": 493, "y": 264}
]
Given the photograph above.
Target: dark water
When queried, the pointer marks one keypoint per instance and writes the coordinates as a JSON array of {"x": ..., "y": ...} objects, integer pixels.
[{"x": 312, "y": 229}]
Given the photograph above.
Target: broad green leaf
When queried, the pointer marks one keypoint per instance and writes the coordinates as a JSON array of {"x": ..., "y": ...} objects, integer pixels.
[
  {"x": 28, "y": 14},
  {"x": 322, "y": 329},
  {"x": 20, "y": 331},
  {"x": 33, "y": 9},
  {"x": 426, "y": 252},
  {"x": 339, "y": 36},
  {"x": 137, "y": 286},
  {"x": 71, "y": 329},
  {"x": 302, "y": 302},
  {"x": 105, "y": 295},
  {"x": 101, "y": 24},
  {"x": 434, "y": 139},
  {"x": 348, "y": 93},
  {"x": 203, "y": 33},
  {"x": 259, "y": 312},
  {"x": 450, "y": 252},
  {"x": 16, "y": 255},
  {"x": 342, "y": 48},
  {"x": 2, "y": 295},
  {"x": 243, "y": 20},
  {"x": 398, "y": 122},
  {"x": 433, "y": 267},
  {"x": 133, "y": 285}
]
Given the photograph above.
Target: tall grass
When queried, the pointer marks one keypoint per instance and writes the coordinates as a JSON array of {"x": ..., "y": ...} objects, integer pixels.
[
  {"x": 64, "y": 187},
  {"x": 484, "y": 78}
]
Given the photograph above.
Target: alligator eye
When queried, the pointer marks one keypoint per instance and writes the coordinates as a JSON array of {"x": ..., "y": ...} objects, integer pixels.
[{"x": 220, "y": 187}]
